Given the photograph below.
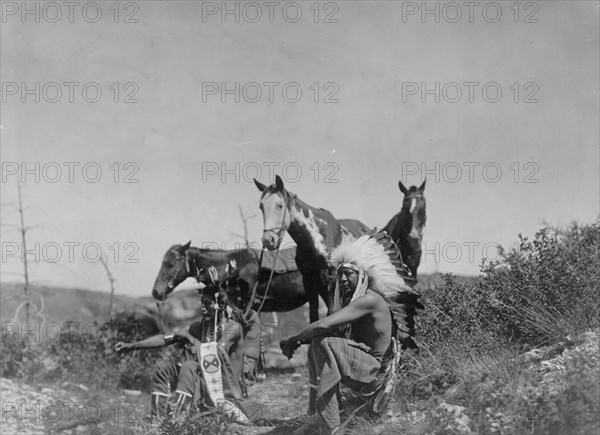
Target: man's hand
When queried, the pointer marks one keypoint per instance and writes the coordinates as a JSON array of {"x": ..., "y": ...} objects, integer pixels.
[
  {"x": 123, "y": 347},
  {"x": 184, "y": 334},
  {"x": 288, "y": 347}
]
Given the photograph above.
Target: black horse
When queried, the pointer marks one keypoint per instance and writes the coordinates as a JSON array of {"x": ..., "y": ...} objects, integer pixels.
[
  {"x": 239, "y": 270},
  {"x": 406, "y": 227}
]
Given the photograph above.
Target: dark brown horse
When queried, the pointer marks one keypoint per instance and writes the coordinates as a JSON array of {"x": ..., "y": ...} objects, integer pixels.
[
  {"x": 406, "y": 227},
  {"x": 315, "y": 231},
  {"x": 285, "y": 292}
]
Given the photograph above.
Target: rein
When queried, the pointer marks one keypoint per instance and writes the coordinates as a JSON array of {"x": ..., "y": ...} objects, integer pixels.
[
  {"x": 188, "y": 269},
  {"x": 249, "y": 307},
  {"x": 268, "y": 283},
  {"x": 278, "y": 231},
  {"x": 160, "y": 317}
]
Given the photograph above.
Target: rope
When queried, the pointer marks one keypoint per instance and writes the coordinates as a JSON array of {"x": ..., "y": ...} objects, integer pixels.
[
  {"x": 160, "y": 317},
  {"x": 249, "y": 307},
  {"x": 269, "y": 283}
]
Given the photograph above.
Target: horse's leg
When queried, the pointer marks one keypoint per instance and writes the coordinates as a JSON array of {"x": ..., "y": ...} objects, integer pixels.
[
  {"x": 312, "y": 294},
  {"x": 325, "y": 289}
]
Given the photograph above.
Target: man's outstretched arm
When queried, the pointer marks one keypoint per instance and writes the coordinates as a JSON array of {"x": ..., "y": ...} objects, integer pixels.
[
  {"x": 153, "y": 342},
  {"x": 362, "y": 306},
  {"x": 147, "y": 343}
]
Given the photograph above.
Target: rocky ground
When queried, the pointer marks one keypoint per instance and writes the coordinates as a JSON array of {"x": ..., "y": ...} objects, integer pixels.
[{"x": 76, "y": 408}]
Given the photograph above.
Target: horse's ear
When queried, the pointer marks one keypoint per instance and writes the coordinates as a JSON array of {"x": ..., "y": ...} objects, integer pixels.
[
  {"x": 279, "y": 183},
  {"x": 260, "y": 186},
  {"x": 422, "y": 188},
  {"x": 402, "y": 188},
  {"x": 184, "y": 248}
]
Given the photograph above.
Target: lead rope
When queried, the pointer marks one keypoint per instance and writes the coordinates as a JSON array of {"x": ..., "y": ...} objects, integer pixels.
[
  {"x": 269, "y": 282},
  {"x": 261, "y": 352},
  {"x": 161, "y": 321},
  {"x": 251, "y": 302}
]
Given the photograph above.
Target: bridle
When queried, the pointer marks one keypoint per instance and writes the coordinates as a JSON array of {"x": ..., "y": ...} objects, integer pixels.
[
  {"x": 188, "y": 268},
  {"x": 171, "y": 283},
  {"x": 288, "y": 204}
]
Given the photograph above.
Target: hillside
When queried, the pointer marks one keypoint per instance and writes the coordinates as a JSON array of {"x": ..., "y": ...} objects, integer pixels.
[{"x": 61, "y": 304}]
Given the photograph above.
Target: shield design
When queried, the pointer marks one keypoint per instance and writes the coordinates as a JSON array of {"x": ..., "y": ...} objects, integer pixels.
[{"x": 211, "y": 364}]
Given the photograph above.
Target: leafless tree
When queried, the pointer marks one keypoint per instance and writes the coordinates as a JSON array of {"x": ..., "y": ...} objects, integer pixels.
[
  {"x": 23, "y": 230},
  {"x": 245, "y": 224},
  {"x": 112, "y": 281}
]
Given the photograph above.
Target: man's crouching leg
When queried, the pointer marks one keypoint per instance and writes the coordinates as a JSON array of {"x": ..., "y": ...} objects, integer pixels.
[
  {"x": 164, "y": 375},
  {"x": 323, "y": 409},
  {"x": 187, "y": 386}
]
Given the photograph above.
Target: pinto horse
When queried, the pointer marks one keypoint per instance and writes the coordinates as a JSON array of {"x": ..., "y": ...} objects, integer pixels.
[
  {"x": 406, "y": 227},
  {"x": 315, "y": 231},
  {"x": 284, "y": 294}
]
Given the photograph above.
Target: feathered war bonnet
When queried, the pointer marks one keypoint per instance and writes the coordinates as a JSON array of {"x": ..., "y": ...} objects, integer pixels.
[{"x": 379, "y": 262}]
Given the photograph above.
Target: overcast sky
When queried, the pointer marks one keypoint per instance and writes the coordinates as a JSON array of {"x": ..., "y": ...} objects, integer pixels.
[{"x": 366, "y": 118}]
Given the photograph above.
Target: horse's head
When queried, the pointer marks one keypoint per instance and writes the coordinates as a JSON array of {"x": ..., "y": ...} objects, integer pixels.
[
  {"x": 275, "y": 204},
  {"x": 173, "y": 271},
  {"x": 414, "y": 204}
]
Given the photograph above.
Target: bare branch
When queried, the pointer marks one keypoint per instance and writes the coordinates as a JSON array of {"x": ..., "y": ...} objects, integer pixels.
[
  {"x": 16, "y": 317},
  {"x": 245, "y": 224},
  {"x": 11, "y": 226},
  {"x": 111, "y": 280},
  {"x": 8, "y": 232},
  {"x": 12, "y": 204},
  {"x": 35, "y": 227}
]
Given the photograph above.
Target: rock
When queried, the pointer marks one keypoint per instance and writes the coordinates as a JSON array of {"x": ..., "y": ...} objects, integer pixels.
[
  {"x": 15, "y": 395},
  {"x": 79, "y": 386},
  {"x": 49, "y": 364},
  {"x": 461, "y": 420},
  {"x": 532, "y": 356},
  {"x": 132, "y": 393}
]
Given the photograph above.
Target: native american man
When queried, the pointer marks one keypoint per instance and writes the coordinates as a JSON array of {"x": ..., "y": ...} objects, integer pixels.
[
  {"x": 182, "y": 381},
  {"x": 356, "y": 345}
]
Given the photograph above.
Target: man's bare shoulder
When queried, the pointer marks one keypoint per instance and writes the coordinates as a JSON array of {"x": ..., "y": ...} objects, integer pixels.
[{"x": 370, "y": 299}]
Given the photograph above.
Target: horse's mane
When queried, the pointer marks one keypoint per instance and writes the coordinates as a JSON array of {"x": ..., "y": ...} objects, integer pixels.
[{"x": 292, "y": 198}]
